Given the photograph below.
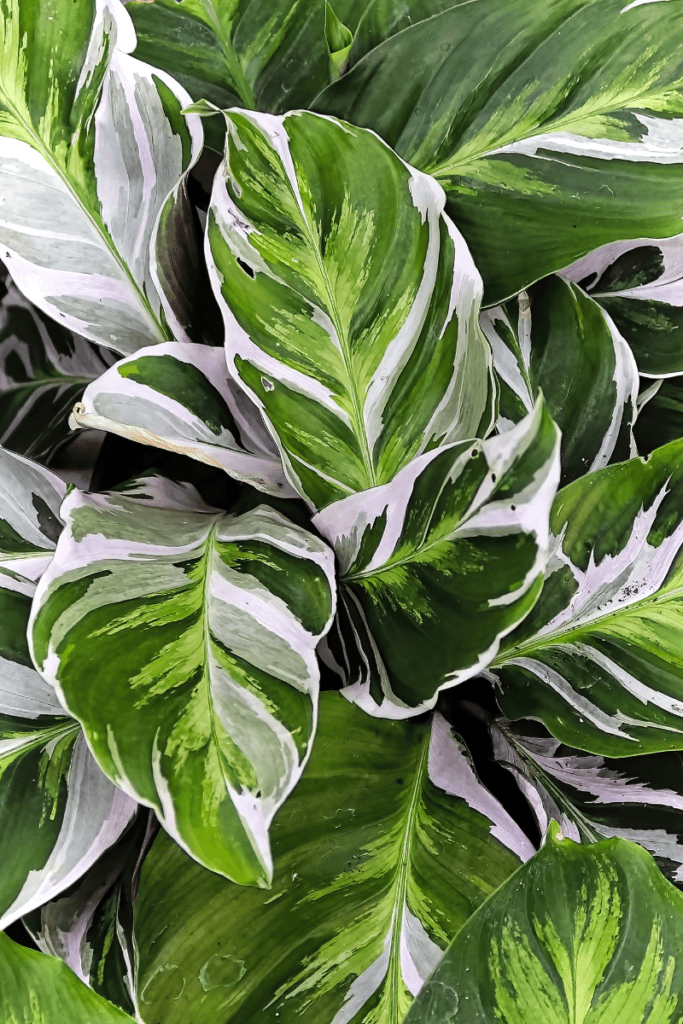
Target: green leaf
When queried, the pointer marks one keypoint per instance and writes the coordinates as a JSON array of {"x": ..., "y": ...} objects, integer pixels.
[
  {"x": 439, "y": 565},
  {"x": 640, "y": 284},
  {"x": 92, "y": 144},
  {"x": 553, "y": 132},
  {"x": 579, "y": 933},
  {"x": 350, "y": 301},
  {"x": 37, "y": 989},
  {"x": 181, "y": 398},
  {"x": 599, "y": 660},
  {"x": 339, "y": 39},
  {"x": 243, "y": 53},
  {"x": 556, "y": 341},
  {"x": 383, "y": 19},
  {"x": 593, "y": 797},
  {"x": 385, "y": 848},
  {"x": 58, "y": 812},
  {"x": 660, "y": 417},
  {"x": 43, "y": 370},
  {"x": 30, "y": 523},
  {"x": 90, "y": 926},
  {"x": 203, "y": 628}
]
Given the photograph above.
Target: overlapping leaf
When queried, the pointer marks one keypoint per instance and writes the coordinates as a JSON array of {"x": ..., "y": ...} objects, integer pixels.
[
  {"x": 579, "y": 933},
  {"x": 92, "y": 144},
  {"x": 350, "y": 301},
  {"x": 242, "y": 53},
  {"x": 30, "y": 523},
  {"x": 599, "y": 659},
  {"x": 660, "y": 418},
  {"x": 594, "y": 797},
  {"x": 43, "y": 371},
  {"x": 180, "y": 397},
  {"x": 201, "y": 629},
  {"x": 38, "y": 989},
  {"x": 552, "y": 134},
  {"x": 640, "y": 284},
  {"x": 439, "y": 565},
  {"x": 557, "y": 341},
  {"x": 382, "y": 852},
  {"x": 90, "y": 926}
]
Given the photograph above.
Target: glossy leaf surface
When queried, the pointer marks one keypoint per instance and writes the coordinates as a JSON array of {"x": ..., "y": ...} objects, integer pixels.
[
  {"x": 180, "y": 397},
  {"x": 556, "y": 341},
  {"x": 580, "y": 933},
  {"x": 203, "y": 628},
  {"x": 439, "y": 565},
  {"x": 350, "y": 301},
  {"x": 599, "y": 659},
  {"x": 92, "y": 142},
  {"x": 38, "y": 989},
  {"x": 382, "y": 852},
  {"x": 550, "y": 134}
]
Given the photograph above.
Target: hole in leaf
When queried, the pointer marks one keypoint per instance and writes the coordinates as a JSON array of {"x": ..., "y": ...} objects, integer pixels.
[{"x": 246, "y": 268}]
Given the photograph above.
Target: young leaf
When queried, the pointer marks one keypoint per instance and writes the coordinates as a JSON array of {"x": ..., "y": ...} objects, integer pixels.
[
  {"x": 556, "y": 341},
  {"x": 339, "y": 39},
  {"x": 244, "y": 53},
  {"x": 640, "y": 284},
  {"x": 181, "y": 398},
  {"x": 593, "y": 797},
  {"x": 350, "y": 301},
  {"x": 38, "y": 989},
  {"x": 383, "y": 851},
  {"x": 92, "y": 143},
  {"x": 203, "y": 627},
  {"x": 90, "y": 926},
  {"x": 43, "y": 370},
  {"x": 30, "y": 523},
  {"x": 58, "y": 812},
  {"x": 439, "y": 565},
  {"x": 549, "y": 137},
  {"x": 599, "y": 659},
  {"x": 579, "y": 933}
]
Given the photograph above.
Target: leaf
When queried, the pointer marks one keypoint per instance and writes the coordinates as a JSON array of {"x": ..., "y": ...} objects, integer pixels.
[
  {"x": 385, "y": 848},
  {"x": 594, "y": 797},
  {"x": 556, "y": 341},
  {"x": 203, "y": 627},
  {"x": 30, "y": 523},
  {"x": 237, "y": 53},
  {"x": 37, "y": 989},
  {"x": 550, "y": 136},
  {"x": 57, "y": 810},
  {"x": 580, "y": 933},
  {"x": 43, "y": 370},
  {"x": 439, "y": 565},
  {"x": 339, "y": 39},
  {"x": 599, "y": 659},
  {"x": 660, "y": 419},
  {"x": 383, "y": 19},
  {"x": 181, "y": 398},
  {"x": 92, "y": 143},
  {"x": 330, "y": 334},
  {"x": 640, "y": 284},
  {"x": 90, "y": 926}
]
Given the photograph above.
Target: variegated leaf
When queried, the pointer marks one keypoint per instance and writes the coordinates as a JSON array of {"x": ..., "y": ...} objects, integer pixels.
[
  {"x": 202, "y": 626},
  {"x": 92, "y": 143},
  {"x": 37, "y": 989},
  {"x": 640, "y": 284},
  {"x": 262, "y": 56},
  {"x": 180, "y": 397},
  {"x": 385, "y": 848},
  {"x": 594, "y": 797},
  {"x": 90, "y": 926},
  {"x": 552, "y": 134},
  {"x": 439, "y": 565},
  {"x": 579, "y": 935},
  {"x": 599, "y": 659},
  {"x": 556, "y": 341},
  {"x": 30, "y": 523},
  {"x": 350, "y": 300},
  {"x": 58, "y": 812},
  {"x": 43, "y": 370}
]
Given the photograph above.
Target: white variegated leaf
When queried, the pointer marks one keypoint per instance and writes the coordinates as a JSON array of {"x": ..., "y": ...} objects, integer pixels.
[
  {"x": 30, "y": 523},
  {"x": 181, "y": 398}
]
